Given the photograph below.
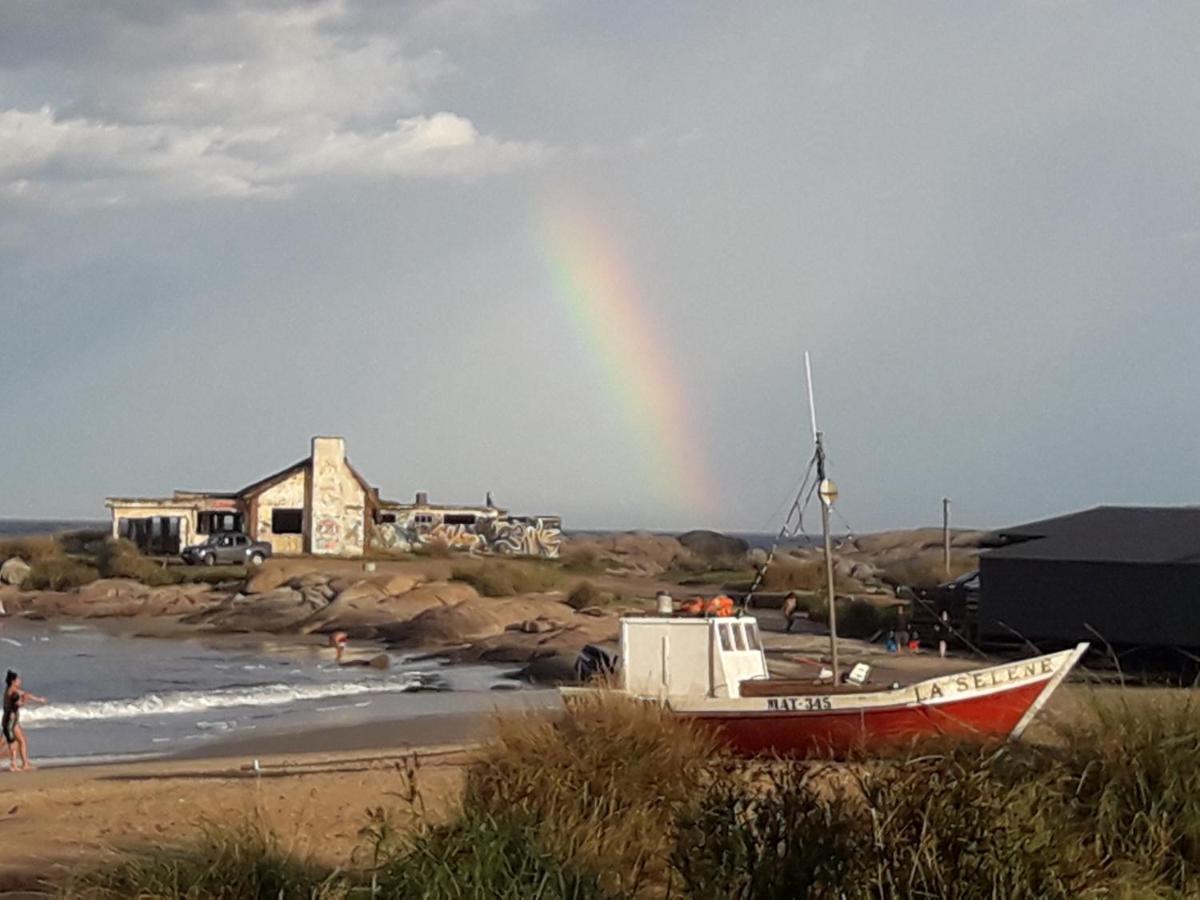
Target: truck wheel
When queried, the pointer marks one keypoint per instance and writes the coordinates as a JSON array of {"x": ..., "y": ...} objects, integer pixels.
[
  {"x": 256, "y": 559},
  {"x": 210, "y": 560}
]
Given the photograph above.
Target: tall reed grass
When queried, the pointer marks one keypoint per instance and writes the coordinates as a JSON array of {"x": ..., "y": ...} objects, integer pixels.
[{"x": 615, "y": 799}]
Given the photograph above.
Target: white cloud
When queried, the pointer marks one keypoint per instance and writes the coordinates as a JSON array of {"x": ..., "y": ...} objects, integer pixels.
[{"x": 242, "y": 102}]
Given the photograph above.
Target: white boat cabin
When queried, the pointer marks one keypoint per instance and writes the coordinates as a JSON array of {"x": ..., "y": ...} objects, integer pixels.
[{"x": 665, "y": 657}]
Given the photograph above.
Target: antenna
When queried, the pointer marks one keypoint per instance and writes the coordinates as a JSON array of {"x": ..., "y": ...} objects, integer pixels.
[{"x": 812, "y": 407}]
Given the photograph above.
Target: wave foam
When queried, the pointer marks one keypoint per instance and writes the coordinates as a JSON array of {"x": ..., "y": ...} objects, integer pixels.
[{"x": 175, "y": 702}]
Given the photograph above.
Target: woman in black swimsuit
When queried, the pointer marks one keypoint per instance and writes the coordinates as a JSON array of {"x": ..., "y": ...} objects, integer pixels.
[{"x": 14, "y": 734}]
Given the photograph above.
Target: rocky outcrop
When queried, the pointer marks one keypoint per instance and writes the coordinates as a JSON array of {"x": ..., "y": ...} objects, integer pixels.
[
  {"x": 475, "y": 619},
  {"x": 712, "y": 546},
  {"x": 634, "y": 553}
]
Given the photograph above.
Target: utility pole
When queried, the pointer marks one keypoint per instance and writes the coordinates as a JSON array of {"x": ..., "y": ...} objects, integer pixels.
[{"x": 946, "y": 535}]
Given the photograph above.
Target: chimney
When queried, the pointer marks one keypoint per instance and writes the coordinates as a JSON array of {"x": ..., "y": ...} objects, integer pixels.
[
  {"x": 422, "y": 498},
  {"x": 329, "y": 448}
]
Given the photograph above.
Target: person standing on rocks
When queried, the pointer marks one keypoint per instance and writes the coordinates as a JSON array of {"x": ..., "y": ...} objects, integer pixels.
[
  {"x": 14, "y": 734},
  {"x": 791, "y": 605}
]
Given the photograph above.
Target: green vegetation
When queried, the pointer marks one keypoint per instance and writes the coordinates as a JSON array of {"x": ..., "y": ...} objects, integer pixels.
[
  {"x": 494, "y": 578},
  {"x": 227, "y": 862},
  {"x": 586, "y": 595},
  {"x": 73, "y": 559},
  {"x": 59, "y": 573},
  {"x": 615, "y": 799}
]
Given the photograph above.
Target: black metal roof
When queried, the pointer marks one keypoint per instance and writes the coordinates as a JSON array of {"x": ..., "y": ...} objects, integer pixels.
[{"x": 1120, "y": 534}]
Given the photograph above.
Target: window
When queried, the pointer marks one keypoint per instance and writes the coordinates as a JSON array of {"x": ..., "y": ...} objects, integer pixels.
[
  {"x": 423, "y": 519},
  {"x": 454, "y": 519},
  {"x": 287, "y": 521},
  {"x": 387, "y": 518},
  {"x": 739, "y": 637},
  {"x": 215, "y": 522},
  {"x": 723, "y": 630},
  {"x": 752, "y": 637}
]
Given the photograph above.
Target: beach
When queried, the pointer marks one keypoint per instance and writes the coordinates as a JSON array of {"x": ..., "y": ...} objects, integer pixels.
[{"x": 53, "y": 821}]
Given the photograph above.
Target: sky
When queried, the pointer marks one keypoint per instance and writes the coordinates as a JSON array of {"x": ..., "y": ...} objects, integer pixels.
[{"x": 572, "y": 253}]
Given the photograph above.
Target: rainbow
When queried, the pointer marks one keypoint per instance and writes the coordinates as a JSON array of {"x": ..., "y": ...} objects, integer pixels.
[{"x": 595, "y": 285}]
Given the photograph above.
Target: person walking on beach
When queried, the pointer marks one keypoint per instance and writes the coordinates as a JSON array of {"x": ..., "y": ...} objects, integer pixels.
[
  {"x": 791, "y": 604},
  {"x": 14, "y": 734}
]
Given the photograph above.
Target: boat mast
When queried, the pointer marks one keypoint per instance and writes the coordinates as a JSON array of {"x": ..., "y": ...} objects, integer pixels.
[{"x": 827, "y": 491}]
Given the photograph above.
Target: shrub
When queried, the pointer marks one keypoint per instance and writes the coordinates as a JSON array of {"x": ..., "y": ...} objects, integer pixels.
[
  {"x": 31, "y": 549},
  {"x": 481, "y": 855},
  {"x": 503, "y": 579},
  {"x": 225, "y": 863},
  {"x": 605, "y": 782},
  {"x": 120, "y": 558},
  {"x": 583, "y": 595},
  {"x": 59, "y": 573},
  {"x": 580, "y": 557},
  {"x": 792, "y": 574}
]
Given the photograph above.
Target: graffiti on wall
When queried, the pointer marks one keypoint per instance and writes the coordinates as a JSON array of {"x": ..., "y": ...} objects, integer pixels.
[{"x": 490, "y": 535}]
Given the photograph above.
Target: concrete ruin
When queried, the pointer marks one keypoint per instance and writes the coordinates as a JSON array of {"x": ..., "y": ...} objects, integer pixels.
[{"x": 322, "y": 506}]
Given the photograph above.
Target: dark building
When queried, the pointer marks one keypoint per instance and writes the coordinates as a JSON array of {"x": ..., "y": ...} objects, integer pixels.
[{"x": 1130, "y": 573}]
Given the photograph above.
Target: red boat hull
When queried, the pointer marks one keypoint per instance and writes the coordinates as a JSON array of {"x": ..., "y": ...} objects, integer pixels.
[{"x": 838, "y": 733}]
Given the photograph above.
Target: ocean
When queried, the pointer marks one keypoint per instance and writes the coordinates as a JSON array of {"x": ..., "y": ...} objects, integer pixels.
[{"x": 113, "y": 696}]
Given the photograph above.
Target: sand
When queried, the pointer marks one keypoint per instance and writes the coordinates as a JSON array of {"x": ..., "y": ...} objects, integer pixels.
[{"x": 314, "y": 789}]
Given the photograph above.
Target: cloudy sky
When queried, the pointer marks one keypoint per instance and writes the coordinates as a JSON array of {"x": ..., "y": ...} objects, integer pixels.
[{"x": 553, "y": 249}]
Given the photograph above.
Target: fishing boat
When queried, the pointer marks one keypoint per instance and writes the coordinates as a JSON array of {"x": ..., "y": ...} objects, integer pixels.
[{"x": 712, "y": 670}]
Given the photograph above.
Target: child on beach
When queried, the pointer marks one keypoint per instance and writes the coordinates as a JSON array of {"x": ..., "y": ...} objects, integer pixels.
[{"x": 14, "y": 734}]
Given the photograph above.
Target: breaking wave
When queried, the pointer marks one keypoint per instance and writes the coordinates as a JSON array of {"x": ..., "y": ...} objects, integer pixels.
[{"x": 172, "y": 702}]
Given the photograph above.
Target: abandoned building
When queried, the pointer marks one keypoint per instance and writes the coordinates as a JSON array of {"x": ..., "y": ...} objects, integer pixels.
[
  {"x": 321, "y": 505},
  {"x": 1130, "y": 575}
]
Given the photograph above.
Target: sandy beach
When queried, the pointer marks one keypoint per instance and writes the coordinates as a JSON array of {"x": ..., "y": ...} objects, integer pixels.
[{"x": 315, "y": 788}]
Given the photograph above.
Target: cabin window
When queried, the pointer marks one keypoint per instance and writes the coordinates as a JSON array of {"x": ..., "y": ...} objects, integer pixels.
[
  {"x": 457, "y": 519},
  {"x": 752, "y": 636},
  {"x": 726, "y": 641},
  {"x": 287, "y": 521},
  {"x": 387, "y": 518},
  {"x": 739, "y": 637},
  {"x": 423, "y": 519}
]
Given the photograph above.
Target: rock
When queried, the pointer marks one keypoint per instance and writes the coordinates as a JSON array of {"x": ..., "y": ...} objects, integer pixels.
[
  {"x": 364, "y": 611},
  {"x": 266, "y": 579},
  {"x": 475, "y": 619},
  {"x": 359, "y": 592},
  {"x": 15, "y": 571},
  {"x": 537, "y": 626},
  {"x": 280, "y": 610},
  {"x": 712, "y": 545}
]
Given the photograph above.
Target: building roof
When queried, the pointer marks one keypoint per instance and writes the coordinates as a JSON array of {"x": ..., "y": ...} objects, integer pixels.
[
  {"x": 1118, "y": 534},
  {"x": 283, "y": 474}
]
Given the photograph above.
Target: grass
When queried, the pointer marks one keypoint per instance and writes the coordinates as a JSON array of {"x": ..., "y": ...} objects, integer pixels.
[
  {"x": 74, "y": 559},
  {"x": 32, "y": 549},
  {"x": 605, "y": 782},
  {"x": 59, "y": 573},
  {"x": 615, "y": 799},
  {"x": 229, "y": 862},
  {"x": 493, "y": 578}
]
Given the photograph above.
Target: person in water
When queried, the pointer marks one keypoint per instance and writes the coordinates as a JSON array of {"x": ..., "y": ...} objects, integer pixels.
[{"x": 14, "y": 734}]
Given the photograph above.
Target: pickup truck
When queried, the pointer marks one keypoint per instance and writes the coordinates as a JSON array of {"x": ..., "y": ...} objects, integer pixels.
[{"x": 227, "y": 548}]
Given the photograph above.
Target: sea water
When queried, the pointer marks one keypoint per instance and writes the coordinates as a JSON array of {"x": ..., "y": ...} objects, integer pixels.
[{"x": 114, "y": 695}]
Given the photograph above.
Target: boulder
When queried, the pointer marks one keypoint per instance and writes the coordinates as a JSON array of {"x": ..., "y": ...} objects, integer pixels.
[
  {"x": 15, "y": 571},
  {"x": 537, "y": 626},
  {"x": 712, "y": 545},
  {"x": 364, "y": 610},
  {"x": 280, "y": 610},
  {"x": 475, "y": 619}
]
